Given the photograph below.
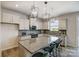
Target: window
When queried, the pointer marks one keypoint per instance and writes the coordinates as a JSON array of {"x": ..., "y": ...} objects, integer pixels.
[{"x": 54, "y": 24}]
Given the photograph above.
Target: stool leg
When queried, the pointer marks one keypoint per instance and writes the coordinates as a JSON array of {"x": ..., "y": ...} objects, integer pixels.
[
  {"x": 53, "y": 53},
  {"x": 59, "y": 50}
]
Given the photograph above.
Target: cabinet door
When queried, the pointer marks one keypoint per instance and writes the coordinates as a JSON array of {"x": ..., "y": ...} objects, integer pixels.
[
  {"x": 45, "y": 25},
  {"x": 9, "y": 36},
  {"x": 26, "y": 24},
  {"x": 33, "y": 21},
  {"x": 16, "y": 19},
  {"x": 39, "y": 24},
  {"x": 36, "y": 22},
  {"x": 21, "y": 24},
  {"x": 7, "y": 18},
  {"x": 62, "y": 24}
]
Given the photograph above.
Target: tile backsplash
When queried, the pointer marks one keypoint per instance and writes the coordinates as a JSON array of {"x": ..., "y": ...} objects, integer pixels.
[{"x": 28, "y": 32}]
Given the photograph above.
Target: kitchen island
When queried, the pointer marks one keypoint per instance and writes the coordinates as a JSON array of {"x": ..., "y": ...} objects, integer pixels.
[{"x": 29, "y": 46}]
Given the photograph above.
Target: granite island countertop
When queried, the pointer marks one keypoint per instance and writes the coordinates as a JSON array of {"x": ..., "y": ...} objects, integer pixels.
[{"x": 34, "y": 44}]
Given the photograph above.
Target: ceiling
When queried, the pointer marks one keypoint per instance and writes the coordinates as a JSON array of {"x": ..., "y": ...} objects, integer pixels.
[{"x": 55, "y": 8}]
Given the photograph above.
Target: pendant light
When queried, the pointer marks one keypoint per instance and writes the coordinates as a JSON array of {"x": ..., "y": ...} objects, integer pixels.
[
  {"x": 34, "y": 11},
  {"x": 46, "y": 15}
]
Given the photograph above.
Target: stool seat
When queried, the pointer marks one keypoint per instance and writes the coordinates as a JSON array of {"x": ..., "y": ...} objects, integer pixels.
[{"x": 39, "y": 54}]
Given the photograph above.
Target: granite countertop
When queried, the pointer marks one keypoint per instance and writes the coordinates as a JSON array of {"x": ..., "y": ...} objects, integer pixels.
[{"x": 34, "y": 44}]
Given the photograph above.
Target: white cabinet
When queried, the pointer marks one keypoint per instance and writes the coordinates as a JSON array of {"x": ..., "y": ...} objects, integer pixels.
[
  {"x": 36, "y": 22},
  {"x": 9, "y": 16},
  {"x": 24, "y": 24},
  {"x": 6, "y": 17},
  {"x": 71, "y": 30},
  {"x": 45, "y": 25},
  {"x": 33, "y": 21},
  {"x": 15, "y": 19},
  {"x": 39, "y": 24},
  {"x": 62, "y": 24},
  {"x": 21, "y": 24},
  {"x": 9, "y": 36},
  {"x": 22, "y": 21}
]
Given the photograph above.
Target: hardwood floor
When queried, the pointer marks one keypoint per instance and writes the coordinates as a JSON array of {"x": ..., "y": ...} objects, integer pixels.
[
  {"x": 66, "y": 52},
  {"x": 14, "y": 52}
]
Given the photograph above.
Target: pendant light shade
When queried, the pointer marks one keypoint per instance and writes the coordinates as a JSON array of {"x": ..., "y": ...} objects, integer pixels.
[{"x": 34, "y": 11}]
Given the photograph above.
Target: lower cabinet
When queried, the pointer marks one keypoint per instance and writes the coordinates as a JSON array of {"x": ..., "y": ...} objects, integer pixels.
[
  {"x": 9, "y": 38},
  {"x": 23, "y": 52},
  {"x": 64, "y": 40}
]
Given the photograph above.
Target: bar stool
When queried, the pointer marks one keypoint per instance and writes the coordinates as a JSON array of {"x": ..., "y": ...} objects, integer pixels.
[
  {"x": 50, "y": 49},
  {"x": 53, "y": 46},
  {"x": 57, "y": 42},
  {"x": 39, "y": 54}
]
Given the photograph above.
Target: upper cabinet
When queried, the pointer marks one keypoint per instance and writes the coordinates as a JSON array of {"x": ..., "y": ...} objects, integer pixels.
[
  {"x": 26, "y": 24},
  {"x": 23, "y": 24},
  {"x": 6, "y": 17},
  {"x": 39, "y": 24},
  {"x": 45, "y": 25},
  {"x": 36, "y": 22},
  {"x": 9, "y": 16},
  {"x": 33, "y": 22},
  {"x": 62, "y": 22},
  {"x": 15, "y": 19}
]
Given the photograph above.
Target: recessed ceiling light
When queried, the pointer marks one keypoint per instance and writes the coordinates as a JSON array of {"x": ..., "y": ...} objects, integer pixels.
[{"x": 17, "y": 5}]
